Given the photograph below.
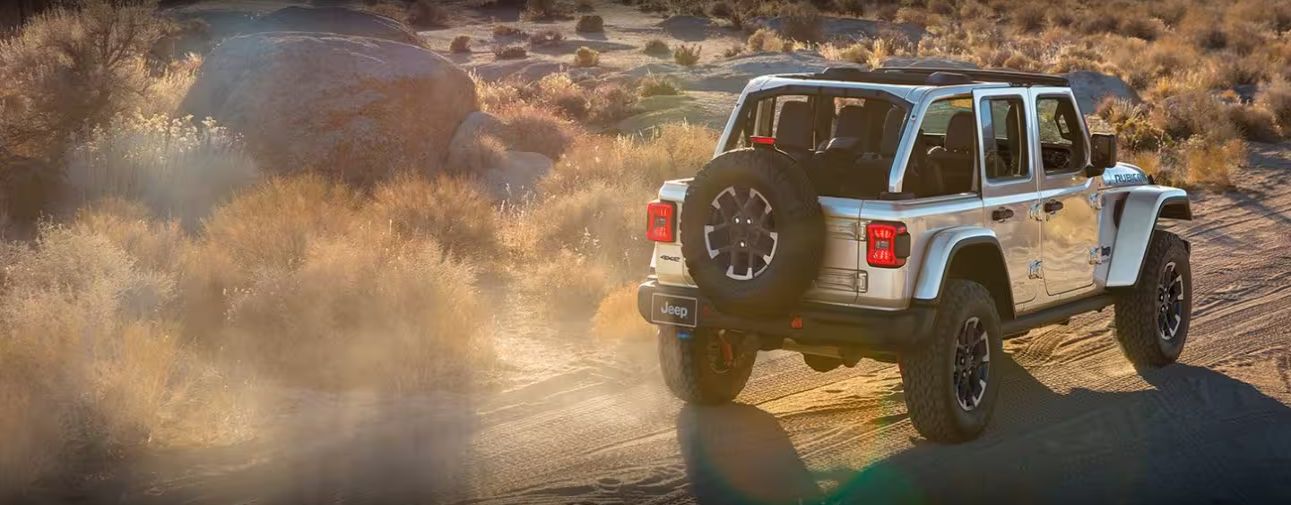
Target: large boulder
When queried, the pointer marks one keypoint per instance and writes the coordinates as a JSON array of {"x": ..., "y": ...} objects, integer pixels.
[
  {"x": 353, "y": 107},
  {"x": 1091, "y": 87},
  {"x": 339, "y": 20}
]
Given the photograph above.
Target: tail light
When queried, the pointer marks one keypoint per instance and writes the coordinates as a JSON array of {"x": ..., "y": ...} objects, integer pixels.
[
  {"x": 887, "y": 245},
  {"x": 661, "y": 221},
  {"x": 761, "y": 141}
]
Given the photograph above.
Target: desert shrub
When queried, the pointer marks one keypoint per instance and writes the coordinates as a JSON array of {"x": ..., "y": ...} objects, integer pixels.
[
  {"x": 656, "y": 47},
  {"x": 589, "y": 23},
  {"x": 1202, "y": 29},
  {"x": 545, "y": 38},
  {"x": 584, "y": 6},
  {"x": 510, "y": 52},
  {"x": 655, "y": 85},
  {"x": 1194, "y": 113},
  {"x": 537, "y": 129},
  {"x": 427, "y": 14},
  {"x": 612, "y": 102},
  {"x": 363, "y": 309},
  {"x": 1276, "y": 98},
  {"x": 672, "y": 151},
  {"x": 460, "y": 44},
  {"x": 565, "y": 285},
  {"x": 545, "y": 9},
  {"x": 1134, "y": 132},
  {"x": 855, "y": 52},
  {"x": 1255, "y": 122},
  {"x": 1211, "y": 162},
  {"x": 599, "y": 222},
  {"x": 687, "y": 56},
  {"x": 178, "y": 169},
  {"x": 507, "y": 31},
  {"x": 68, "y": 70},
  {"x": 586, "y": 57},
  {"x": 1030, "y": 17},
  {"x": 94, "y": 364},
  {"x": 1145, "y": 28},
  {"x": 272, "y": 223},
  {"x": 916, "y": 16},
  {"x": 732, "y": 52},
  {"x": 802, "y": 23},
  {"x": 564, "y": 94},
  {"x": 768, "y": 40},
  {"x": 452, "y": 211},
  {"x": 1099, "y": 20}
]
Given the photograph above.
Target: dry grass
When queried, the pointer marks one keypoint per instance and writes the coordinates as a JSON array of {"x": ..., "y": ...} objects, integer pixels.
[
  {"x": 586, "y": 57},
  {"x": 656, "y": 47},
  {"x": 177, "y": 169},
  {"x": 767, "y": 40},
  {"x": 589, "y": 23},
  {"x": 510, "y": 52},
  {"x": 656, "y": 85},
  {"x": 687, "y": 56},
  {"x": 452, "y": 211},
  {"x": 460, "y": 44}
]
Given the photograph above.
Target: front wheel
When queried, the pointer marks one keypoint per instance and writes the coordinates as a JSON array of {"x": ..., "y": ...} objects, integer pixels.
[
  {"x": 705, "y": 366},
  {"x": 950, "y": 383},
  {"x": 1152, "y": 317}
]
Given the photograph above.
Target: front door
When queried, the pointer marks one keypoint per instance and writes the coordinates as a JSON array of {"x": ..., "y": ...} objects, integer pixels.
[
  {"x": 1008, "y": 184},
  {"x": 1070, "y": 216}
]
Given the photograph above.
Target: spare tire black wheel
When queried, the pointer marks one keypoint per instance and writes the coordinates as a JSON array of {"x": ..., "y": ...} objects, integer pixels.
[{"x": 752, "y": 232}]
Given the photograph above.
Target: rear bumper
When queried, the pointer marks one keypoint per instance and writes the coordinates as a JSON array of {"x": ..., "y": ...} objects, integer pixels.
[{"x": 875, "y": 331}]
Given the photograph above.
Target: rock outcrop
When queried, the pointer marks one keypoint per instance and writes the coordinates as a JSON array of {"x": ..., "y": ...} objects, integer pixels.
[
  {"x": 356, "y": 108},
  {"x": 338, "y": 20}
]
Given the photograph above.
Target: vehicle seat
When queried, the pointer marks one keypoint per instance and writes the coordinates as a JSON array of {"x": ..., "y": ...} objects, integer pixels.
[
  {"x": 874, "y": 168},
  {"x": 953, "y": 161},
  {"x": 793, "y": 132}
]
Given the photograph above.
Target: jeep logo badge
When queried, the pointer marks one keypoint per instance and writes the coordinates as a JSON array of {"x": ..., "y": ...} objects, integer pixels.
[{"x": 674, "y": 310}]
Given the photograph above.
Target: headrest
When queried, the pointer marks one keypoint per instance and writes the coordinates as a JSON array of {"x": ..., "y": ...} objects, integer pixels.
[
  {"x": 795, "y": 126},
  {"x": 851, "y": 122},
  {"x": 959, "y": 132},
  {"x": 891, "y": 132}
]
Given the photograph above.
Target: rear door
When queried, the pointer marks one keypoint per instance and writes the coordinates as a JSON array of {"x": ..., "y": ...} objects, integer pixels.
[
  {"x": 1067, "y": 196},
  {"x": 1009, "y": 184}
]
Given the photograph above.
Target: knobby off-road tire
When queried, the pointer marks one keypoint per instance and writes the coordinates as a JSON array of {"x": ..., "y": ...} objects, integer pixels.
[
  {"x": 929, "y": 373},
  {"x": 1164, "y": 286},
  {"x": 772, "y": 190},
  {"x": 690, "y": 371}
]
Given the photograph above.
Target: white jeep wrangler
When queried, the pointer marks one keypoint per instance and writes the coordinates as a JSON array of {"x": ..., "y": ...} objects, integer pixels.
[{"x": 914, "y": 215}]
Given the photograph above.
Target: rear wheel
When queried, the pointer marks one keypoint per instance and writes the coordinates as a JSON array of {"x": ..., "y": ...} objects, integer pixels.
[
  {"x": 950, "y": 383},
  {"x": 705, "y": 366},
  {"x": 1152, "y": 317}
]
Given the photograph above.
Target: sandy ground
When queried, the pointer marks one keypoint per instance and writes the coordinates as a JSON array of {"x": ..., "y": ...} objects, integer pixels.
[{"x": 572, "y": 419}]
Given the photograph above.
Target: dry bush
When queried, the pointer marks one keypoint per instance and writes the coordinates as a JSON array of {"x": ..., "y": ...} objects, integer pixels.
[
  {"x": 656, "y": 47},
  {"x": 732, "y": 52},
  {"x": 507, "y": 31},
  {"x": 617, "y": 317},
  {"x": 656, "y": 85},
  {"x": 564, "y": 285},
  {"x": 672, "y": 151},
  {"x": 584, "y": 6},
  {"x": 537, "y": 129},
  {"x": 363, "y": 309},
  {"x": 427, "y": 14},
  {"x": 1276, "y": 98},
  {"x": 855, "y": 52},
  {"x": 687, "y": 56},
  {"x": 1200, "y": 27},
  {"x": 272, "y": 223},
  {"x": 561, "y": 92},
  {"x": 68, "y": 70},
  {"x": 586, "y": 57},
  {"x": 612, "y": 102},
  {"x": 1210, "y": 162},
  {"x": 543, "y": 10},
  {"x": 452, "y": 211},
  {"x": 460, "y": 44},
  {"x": 1255, "y": 122},
  {"x": 802, "y": 23},
  {"x": 590, "y": 23},
  {"x": 917, "y": 16},
  {"x": 1030, "y": 17},
  {"x": 178, "y": 169},
  {"x": 510, "y": 52},
  {"x": 93, "y": 364},
  {"x": 1194, "y": 113},
  {"x": 1099, "y": 20},
  {"x": 545, "y": 38},
  {"x": 767, "y": 40},
  {"x": 1134, "y": 131}
]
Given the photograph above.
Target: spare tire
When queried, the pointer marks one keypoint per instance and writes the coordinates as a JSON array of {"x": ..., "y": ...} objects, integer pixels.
[{"x": 752, "y": 232}]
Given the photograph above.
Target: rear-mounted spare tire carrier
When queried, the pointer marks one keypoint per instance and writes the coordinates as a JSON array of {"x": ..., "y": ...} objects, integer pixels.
[{"x": 753, "y": 212}]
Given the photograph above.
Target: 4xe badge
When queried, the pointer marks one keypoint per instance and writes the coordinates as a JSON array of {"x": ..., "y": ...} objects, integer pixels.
[{"x": 674, "y": 310}]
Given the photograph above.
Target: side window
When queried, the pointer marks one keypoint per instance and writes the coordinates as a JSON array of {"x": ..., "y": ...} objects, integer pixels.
[
  {"x": 1062, "y": 144},
  {"x": 1004, "y": 139}
]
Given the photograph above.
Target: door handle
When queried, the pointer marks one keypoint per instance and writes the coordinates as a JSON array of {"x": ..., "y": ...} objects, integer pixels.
[
  {"x": 1052, "y": 206},
  {"x": 1001, "y": 214}
]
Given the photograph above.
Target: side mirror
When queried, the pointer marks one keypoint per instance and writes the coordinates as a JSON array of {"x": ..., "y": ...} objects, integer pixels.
[{"x": 1102, "y": 154}]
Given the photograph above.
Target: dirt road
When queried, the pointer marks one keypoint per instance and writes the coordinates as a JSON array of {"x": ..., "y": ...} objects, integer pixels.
[{"x": 573, "y": 421}]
